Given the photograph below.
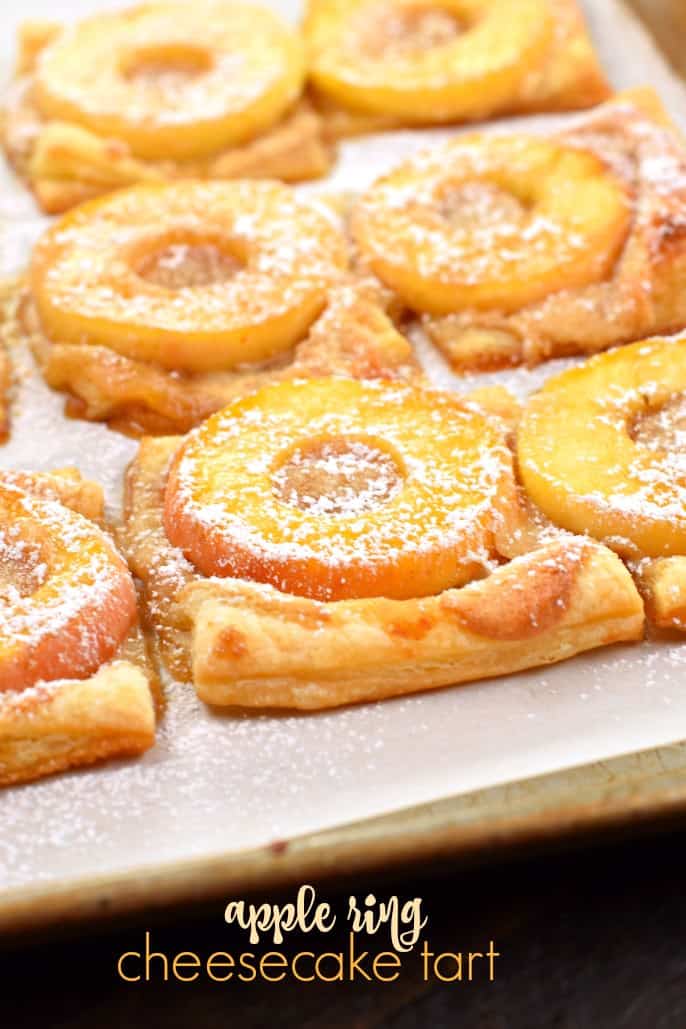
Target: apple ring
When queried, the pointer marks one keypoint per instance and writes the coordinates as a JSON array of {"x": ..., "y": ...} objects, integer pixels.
[
  {"x": 492, "y": 222},
  {"x": 382, "y": 64},
  {"x": 5, "y": 384},
  {"x": 67, "y": 600},
  {"x": 425, "y": 62},
  {"x": 583, "y": 458},
  {"x": 176, "y": 80},
  {"x": 156, "y": 93},
  {"x": 513, "y": 250},
  {"x": 536, "y": 596},
  {"x": 104, "y": 273},
  {"x": 335, "y": 488}
]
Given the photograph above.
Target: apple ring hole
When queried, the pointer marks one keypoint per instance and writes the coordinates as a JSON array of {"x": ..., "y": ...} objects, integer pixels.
[
  {"x": 185, "y": 262},
  {"x": 166, "y": 68},
  {"x": 390, "y": 31},
  {"x": 23, "y": 567},
  {"x": 477, "y": 206},
  {"x": 338, "y": 476}
]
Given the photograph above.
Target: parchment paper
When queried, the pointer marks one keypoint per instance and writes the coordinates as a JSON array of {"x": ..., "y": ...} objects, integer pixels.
[{"x": 221, "y": 783}]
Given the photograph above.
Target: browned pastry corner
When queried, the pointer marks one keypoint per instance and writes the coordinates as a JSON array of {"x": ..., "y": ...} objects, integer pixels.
[
  {"x": 197, "y": 292},
  {"x": 620, "y": 475},
  {"x": 150, "y": 94},
  {"x": 383, "y": 65},
  {"x": 513, "y": 248},
  {"x": 322, "y": 565},
  {"x": 76, "y": 685}
]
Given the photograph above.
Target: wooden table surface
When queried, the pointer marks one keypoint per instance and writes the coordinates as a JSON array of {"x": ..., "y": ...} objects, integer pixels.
[{"x": 593, "y": 938}]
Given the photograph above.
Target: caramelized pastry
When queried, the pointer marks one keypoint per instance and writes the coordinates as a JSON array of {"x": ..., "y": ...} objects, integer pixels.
[
  {"x": 154, "y": 306},
  {"x": 160, "y": 91},
  {"x": 378, "y": 64},
  {"x": 74, "y": 686},
  {"x": 324, "y": 542},
  {"x": 514, "y": 248},
  {"x": 619, "y": 474}
]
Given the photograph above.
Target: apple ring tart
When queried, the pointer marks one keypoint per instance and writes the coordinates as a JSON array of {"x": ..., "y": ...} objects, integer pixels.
[
  {"x": 74, "y": 681},
  {"x": 160, "y": 91},
  {"x": 153, "y": 306},
  {"x": 620, "y": 474},
  {"x": 512, "y": 248},
  {"x": 380, "y": 64},
  {"x": 327, "y": 541}
]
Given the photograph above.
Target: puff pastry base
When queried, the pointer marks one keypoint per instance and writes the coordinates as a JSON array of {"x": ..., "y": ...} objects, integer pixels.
[
  {"x": 250, "y": 645},
  {"x": 65, "y": 164},
  {"x": 634, "y": 135},
  {"x": 353, "y": 337},
  {"x": 570, "y": 79},
  {"x": 663, "y": 583},
  {"x": 54, "y": 726}
]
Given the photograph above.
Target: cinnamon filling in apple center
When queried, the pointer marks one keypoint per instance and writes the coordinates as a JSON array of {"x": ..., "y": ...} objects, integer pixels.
[
  {"x": 664, "y": 428},
  {"x": 187, "y": 265},
  {"x": 476, "y": 206},
  {"x": 337, "y": 477},
  {"x": 23, "y": 568},
  {"x": 392, "y": 32},
  {"x": 166, "y": 67}
]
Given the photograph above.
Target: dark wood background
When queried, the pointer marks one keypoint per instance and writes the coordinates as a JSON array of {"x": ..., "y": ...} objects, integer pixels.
[{"x": 592, "y": 938}]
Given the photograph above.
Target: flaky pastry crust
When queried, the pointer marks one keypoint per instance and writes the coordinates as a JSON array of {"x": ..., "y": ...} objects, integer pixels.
[
  {"x": 255, "y": 647},
  {"x": 57, "y": 725},
  {"x": 65, "y": 164},
  {"x": 354, "y": 336},
  {"x": 251, "y": 645}
]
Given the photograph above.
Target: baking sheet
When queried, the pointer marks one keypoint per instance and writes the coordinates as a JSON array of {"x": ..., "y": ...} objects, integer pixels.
[{"x": 217, "y": 783}]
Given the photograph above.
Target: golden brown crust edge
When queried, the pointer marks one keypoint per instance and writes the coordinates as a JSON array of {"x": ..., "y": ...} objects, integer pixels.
[
  {"x": 663, "y": 584},
  {"x": 353, "y": 337},
  {"x": 255, "y": 647},
  {"x": 53, "y": 727},
  {"x": 57, "y": 726}
]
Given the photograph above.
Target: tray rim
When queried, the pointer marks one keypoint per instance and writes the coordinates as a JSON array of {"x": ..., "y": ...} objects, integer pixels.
[{"x": 609, "y": 796}]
